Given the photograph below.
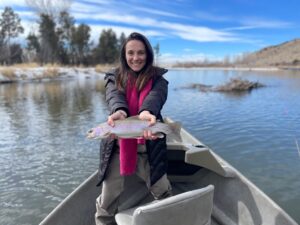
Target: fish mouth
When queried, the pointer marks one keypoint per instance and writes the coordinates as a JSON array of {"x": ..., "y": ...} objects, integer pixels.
[{"x": 90, "y": 134}]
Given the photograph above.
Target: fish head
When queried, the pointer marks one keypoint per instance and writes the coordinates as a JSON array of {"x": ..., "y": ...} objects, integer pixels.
[{"x": 99, "y": 132}]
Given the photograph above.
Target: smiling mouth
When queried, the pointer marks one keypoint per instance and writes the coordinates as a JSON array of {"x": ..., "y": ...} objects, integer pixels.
[{"x": 137, "y": 65}]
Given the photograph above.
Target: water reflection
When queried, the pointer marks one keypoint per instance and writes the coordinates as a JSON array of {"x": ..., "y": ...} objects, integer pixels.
[
  {"x": 44, "y": 153},
  {"x": 42, "y": 144}
]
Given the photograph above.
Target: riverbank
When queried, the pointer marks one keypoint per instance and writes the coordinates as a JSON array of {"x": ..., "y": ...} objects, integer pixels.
[
  {"x": 25, "y": 74},
  {"x": 49, "y": 72},
  {"x": 228, "y": 68}
]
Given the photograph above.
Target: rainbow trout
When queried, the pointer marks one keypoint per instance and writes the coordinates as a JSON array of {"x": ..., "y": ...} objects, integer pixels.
[{"x": 132, "y": 127}]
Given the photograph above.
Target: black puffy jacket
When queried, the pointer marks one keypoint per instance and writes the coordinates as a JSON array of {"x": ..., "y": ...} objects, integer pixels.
[{"x": 154, "y": 101}]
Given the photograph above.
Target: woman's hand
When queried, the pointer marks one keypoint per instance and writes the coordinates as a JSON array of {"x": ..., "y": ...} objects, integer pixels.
[
  {"x": 118, "y": 115},
  {"x": 146, "y": 115}
]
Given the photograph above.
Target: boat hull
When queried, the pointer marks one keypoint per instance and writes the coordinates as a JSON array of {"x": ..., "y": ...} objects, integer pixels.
[{"x": 192, "y": 165}]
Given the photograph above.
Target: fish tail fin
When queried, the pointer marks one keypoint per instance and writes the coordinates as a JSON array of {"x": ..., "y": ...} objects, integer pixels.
[
  {"x": 175, "y": 128},
  {"x": 162, "y": 129}
]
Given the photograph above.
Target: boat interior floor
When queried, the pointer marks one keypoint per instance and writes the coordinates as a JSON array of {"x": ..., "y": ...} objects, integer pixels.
[{"x": 136, "y": 193}]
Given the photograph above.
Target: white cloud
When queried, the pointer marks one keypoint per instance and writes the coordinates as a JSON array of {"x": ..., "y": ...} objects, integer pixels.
[
  {"x": 258, "y": 23},
  {"x": 87, "y": 14},
  {"x": 118, "y": 17},
  {"x": 187, "y": 32},
  {"x": 263, "y": 23},
  {"x": 159, "y": 12},
  {"x": 105, "y": 2},
  {"x": 198, "y": 33},
  {"x": 104, "y": 14},
  {"x": 11, "y": 3},
  {"x": 170, "y": 58},
  {"x": 212, "y": 17},
  {"x": 188, "y": 50},
  {"x": 97, "y": 29},
  {"x": 25, "y": 14},
  {"x": 84, "y": 8}
]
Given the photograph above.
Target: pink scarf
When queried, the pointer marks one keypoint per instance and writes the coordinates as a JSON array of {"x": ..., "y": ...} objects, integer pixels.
[{"x": 128, "y": 147}]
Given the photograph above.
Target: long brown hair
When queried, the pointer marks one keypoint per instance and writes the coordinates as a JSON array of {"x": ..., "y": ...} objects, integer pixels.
[{"x": 146, "y": 73}]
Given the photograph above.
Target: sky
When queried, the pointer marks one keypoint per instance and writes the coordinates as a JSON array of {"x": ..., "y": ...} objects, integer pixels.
[{"x": 186, "y": 30}]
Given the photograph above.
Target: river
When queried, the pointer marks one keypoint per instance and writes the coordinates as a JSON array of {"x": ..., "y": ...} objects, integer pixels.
[{"x": 44, "y": 154}]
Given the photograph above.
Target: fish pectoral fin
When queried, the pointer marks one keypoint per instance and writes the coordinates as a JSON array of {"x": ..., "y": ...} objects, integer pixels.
[{"x": 107, "y": 134}]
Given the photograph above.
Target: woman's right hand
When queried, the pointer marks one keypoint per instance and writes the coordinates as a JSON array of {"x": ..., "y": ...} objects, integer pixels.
[{"x": 118, "y": 115}]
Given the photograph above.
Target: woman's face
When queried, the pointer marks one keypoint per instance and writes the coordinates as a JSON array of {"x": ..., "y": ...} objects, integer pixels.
[{"x": 135, "y": 55}]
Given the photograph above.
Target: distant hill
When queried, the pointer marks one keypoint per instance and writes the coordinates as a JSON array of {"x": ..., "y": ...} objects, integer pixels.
[{"x": 285, "y": 54}]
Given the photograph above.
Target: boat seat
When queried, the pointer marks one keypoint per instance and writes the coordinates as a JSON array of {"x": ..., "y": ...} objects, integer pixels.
[{"x": 188, "y": 208}]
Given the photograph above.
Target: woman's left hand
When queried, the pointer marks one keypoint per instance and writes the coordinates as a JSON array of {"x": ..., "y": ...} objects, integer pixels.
[{"x": 146, "y": 115}]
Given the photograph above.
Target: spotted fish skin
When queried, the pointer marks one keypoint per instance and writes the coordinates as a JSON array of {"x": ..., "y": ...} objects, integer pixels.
[{"x": 131, "y": 127}]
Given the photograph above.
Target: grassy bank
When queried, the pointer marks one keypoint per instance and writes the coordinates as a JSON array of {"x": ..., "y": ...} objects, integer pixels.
[{"x": 23, "y": 72}]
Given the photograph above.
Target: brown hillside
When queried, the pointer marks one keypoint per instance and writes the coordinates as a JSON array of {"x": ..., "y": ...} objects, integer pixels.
[{"x": 285, "y": 54}]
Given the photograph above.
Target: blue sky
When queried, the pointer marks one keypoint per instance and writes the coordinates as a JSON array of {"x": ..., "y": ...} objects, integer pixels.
[{"x": 187, "y": 30}]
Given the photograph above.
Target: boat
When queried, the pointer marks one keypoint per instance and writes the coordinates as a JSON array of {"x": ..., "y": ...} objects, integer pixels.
[{"x": 226, "y": 196}]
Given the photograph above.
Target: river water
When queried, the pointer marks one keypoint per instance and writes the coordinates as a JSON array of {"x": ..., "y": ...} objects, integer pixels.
[{"x": 44, "y": 154}]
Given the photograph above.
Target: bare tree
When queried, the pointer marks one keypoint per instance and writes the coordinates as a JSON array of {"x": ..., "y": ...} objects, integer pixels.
[
  {"x": 51, "y": 8},
  {"x": 54, "y": 28},
  {"x": 156, "y": 49},
  {"x": 226, "y": 60}
]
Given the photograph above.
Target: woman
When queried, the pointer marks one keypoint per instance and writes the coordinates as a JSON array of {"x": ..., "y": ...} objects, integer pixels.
[{"x": 136, "y": 87}]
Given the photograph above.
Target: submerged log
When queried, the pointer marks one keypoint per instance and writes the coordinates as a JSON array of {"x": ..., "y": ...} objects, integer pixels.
[
  {"x": 200, "y": 87},
  {"x": 238, "y": 85}
]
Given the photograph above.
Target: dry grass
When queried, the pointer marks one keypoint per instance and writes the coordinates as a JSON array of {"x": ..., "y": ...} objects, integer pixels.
[
  {"x": 50, "y": 72},
  {"x": 32, "y": 65},
  {"x": 26, "y": 65},
  {"x": 34, "y": 71},
  {"x": 103, "y": 68},
  {"x": 196, "y": 64},
  {"x": 8, "y": 72},
  {"x": 285, "y": 54},
  {"x": 56, "y": 65}
]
